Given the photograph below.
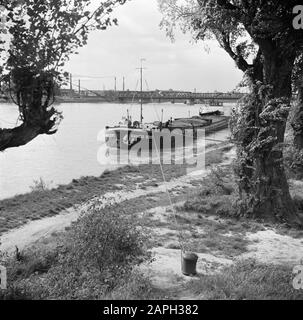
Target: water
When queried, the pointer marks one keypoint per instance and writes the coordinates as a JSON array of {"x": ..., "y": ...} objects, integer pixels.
[{"x": 72, "y": 151}]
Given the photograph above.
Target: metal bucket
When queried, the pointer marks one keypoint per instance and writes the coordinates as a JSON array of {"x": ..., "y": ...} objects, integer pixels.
[{"x": 189, "y": 263}]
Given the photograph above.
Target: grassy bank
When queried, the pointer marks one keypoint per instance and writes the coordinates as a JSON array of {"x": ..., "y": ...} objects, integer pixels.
[
  {"x": 104, "y": 254},
  {"x": 16, "y": 211},
  {"x": 95, "y": 259},
  {"x": 218, "y": 196},
  {"x": 69, "y": 268}
]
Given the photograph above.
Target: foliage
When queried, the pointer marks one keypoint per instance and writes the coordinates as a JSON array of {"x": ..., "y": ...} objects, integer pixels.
[
  {"x": 293, "y": 159},
  {"x": 40, "y": 37},
  {"x": 95, "y": 258},
  {"x": 297, "y": 117},
  {"x": 240, "y": 27},
  {"x": 255, "y": 141},
  {"x": 56, "y": 29},
  {"x": 216, "y": 196},
  {"x": 103, "y": 237},
  {"x": 260, "y": 38},
  {"x": 101, "y": 250},
  {"x": 40, "y": 185}
]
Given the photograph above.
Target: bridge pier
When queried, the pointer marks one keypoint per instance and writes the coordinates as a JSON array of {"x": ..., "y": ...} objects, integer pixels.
[{"x": 190, "y": 102}]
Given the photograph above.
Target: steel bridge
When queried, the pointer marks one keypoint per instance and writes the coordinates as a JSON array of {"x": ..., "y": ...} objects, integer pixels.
[{"x": 172, "y": 96}]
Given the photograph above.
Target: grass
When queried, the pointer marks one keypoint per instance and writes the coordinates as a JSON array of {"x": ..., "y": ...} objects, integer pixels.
[
  {"x": 222, "y": 237},
  {"x": 216, "y": 194},
  {"x": 96, "y": 259},
  {"x": 137, "y": 287},
  {"x": 219, "y": 244},
  {"x": 28, "y": 278},
  {"x": 247, "y": 280},
  {"x": 41, "y": 203},
  {"x": 45, "y": 202},
  {"x": 207, "y": 232}
]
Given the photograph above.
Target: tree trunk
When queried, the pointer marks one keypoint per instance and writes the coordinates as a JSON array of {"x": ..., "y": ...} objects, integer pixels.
[
  {"x": 271, "y": 197},
  {"x": 267, "y": 190},
  {"x": 297, "y": 121},
  {"x": 34, "y": 96},
  {"x": 42, "y": 123}
]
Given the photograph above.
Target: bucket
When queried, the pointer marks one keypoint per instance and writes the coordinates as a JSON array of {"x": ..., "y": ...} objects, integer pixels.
[{"x": 189, "y": 262}]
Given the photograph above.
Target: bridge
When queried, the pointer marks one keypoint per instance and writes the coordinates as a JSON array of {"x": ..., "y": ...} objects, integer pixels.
[
  {"x": 169, "y": 96},
  {"x": 156, "y": 96}
]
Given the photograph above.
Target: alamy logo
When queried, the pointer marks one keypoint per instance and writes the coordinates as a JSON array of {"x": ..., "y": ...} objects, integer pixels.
[
  {"x": 3, "y": 278},
  {"x": 298, "y": 20},
  {"x": 128, "y": 146},
  {"x": 298, "y": 279}
]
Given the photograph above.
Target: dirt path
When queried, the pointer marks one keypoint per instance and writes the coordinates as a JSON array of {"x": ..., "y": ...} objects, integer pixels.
[
  {"x": 38, "y": 230},
  {"x": 43, "y": 228}
]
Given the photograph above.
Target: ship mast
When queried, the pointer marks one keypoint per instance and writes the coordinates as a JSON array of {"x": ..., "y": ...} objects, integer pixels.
[{"x": 141, "y": 91}]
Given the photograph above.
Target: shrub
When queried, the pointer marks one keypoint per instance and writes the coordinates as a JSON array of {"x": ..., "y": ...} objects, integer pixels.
[
  {"x": 298, "y": 203},
  {"x": 135, "y": 286},
  {"x": 101, "y": 250},
  {"x": 31, "y": 262},
  {"x": 216, "y": 194},
  {"x": 40, "y": 185},
  {"x": 97, "y": 256},
  {"x": 293, "y": 159}
]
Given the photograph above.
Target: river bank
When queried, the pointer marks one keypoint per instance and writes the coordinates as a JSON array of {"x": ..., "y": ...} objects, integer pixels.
[
  {"x": 234, "y": 253},
  {"x": 43, "y": 202}
]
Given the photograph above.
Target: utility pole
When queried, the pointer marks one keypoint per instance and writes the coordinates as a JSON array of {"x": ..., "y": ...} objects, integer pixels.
[
  {"x": 123, "y": 83},
  {"x": 79, "y": 86},
  {"x": 115, "y": 83}
]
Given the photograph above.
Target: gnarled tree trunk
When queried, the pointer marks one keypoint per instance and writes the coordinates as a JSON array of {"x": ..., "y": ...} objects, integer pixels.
[
  {"x": 261, "y": 143},
  {"x": 272, "y": 190},
  {"x": 34, "y": 96}
]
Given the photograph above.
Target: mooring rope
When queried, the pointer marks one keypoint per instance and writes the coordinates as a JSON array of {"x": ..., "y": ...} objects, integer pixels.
[{"x": 180, "y": 231}]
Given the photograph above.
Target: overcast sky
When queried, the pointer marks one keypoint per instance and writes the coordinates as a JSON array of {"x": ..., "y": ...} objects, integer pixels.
[{"x": 181, "y": 65}]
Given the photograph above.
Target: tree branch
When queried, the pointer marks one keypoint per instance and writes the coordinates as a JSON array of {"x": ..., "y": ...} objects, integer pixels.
[
  {"x": 238, "y": 58},
  {"x": 19, "y": 136}
]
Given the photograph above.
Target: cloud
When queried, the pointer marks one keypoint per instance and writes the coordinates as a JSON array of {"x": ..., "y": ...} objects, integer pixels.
[{"x": 178, "y": 65}]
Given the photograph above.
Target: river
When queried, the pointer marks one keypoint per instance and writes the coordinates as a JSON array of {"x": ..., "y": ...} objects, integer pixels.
[{"x": 72, "y": 151}]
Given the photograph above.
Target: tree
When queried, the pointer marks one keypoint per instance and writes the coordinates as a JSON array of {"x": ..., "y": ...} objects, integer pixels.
[
  {"x": 259, "y": 36},
  {"x": 39, "y": 39},
  {"x": 297, "y": 120}
]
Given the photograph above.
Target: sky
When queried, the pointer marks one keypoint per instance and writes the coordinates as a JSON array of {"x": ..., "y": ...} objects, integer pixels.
[{"x": 182, "y": 65}]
